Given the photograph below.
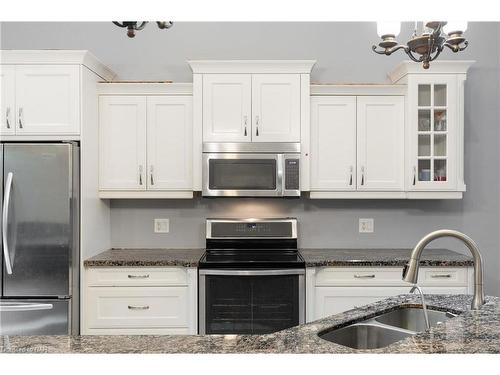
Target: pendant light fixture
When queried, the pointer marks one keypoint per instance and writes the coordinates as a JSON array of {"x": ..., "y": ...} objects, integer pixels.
[
  {"x": 133, "y": 26},
  {"x": 426, "y": 46}
]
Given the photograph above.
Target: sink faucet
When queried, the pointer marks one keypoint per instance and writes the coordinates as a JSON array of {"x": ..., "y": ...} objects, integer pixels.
[
  {"x": 424, "y": 305},
  {"x": 410, "y": 271}
]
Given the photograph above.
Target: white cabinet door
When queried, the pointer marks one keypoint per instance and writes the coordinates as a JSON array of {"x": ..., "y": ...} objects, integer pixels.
[
  {"x": 122, "y": 142},
  {"x": 276, "y": 108},
  {"x": 334, "y": 300},
  {"x": 170, "y": 143},
  {"x": 48, "y": 99},
  {"x": 333, "y": 143},
  {"x": 380, "y": 150},
  {"x": 227, "y": 107},
  {"x": 432, "y": 131},
  {"x": 7, "y": 99}
]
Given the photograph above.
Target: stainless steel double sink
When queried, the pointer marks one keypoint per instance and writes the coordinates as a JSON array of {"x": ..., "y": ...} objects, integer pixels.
[{"x": 385, "y": 329}]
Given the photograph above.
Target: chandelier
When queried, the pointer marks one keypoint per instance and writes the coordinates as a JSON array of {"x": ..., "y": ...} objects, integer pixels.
[
  {"x": 425, "y": 47},
  {"x": 133, "y": 26}
]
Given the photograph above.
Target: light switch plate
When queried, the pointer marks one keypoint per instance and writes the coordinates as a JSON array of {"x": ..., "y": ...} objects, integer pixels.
[
  {"x": 366, "y": 225},
  {"x": 161, "y": 226}
]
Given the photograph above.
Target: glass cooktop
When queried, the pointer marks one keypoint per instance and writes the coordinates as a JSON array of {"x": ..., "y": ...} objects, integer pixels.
[{"x": 261, "y": 258}]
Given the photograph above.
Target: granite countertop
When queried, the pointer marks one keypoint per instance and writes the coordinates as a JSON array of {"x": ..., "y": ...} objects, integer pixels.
[
  {"x": 146, "y": 258},
  {"x": 382, "y": 257},
  {"x": 312, "y": 257},
  {"x": 471, "y": 332}
]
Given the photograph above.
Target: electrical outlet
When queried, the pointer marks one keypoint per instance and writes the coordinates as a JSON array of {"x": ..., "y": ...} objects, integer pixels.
[
  {"x": 366, "y": 225},
  {"x": 161, "y": 226}
]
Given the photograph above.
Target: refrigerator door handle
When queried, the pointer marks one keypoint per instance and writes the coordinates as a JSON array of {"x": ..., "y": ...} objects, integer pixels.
[
  {"x": 25, "y": 307},
  {"x": 5, "y": 217}
]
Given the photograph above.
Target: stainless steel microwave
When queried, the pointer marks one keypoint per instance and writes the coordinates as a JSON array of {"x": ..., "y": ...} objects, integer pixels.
[{"x": 251, "y": 169}]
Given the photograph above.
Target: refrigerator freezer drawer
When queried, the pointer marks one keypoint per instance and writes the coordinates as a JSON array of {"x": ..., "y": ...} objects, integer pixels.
[{"x": 34, "y": 317}]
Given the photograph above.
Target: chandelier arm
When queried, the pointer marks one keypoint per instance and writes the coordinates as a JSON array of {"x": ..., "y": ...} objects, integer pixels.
[
  {"x": 412, "y": 56},
  {"x": 119, "y": 24},
  {"x": 164, "y": 24},
  {"x": 438, "y": 52},
  {"x": 141, "y": 26},
  {"x": 388, "y": 51},
  {"x": 456, "y": 47}
]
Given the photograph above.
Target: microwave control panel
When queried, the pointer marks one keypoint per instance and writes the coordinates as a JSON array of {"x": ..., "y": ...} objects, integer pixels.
[{"x": 292, "y": 173}]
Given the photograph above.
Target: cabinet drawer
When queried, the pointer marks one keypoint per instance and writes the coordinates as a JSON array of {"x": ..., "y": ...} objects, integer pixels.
[
  {"x": 435, "y": 276},
  {"x": 137, "y": 276},
  {"x": 130, "y": 307},
  {"x": 354, "y": 276}
]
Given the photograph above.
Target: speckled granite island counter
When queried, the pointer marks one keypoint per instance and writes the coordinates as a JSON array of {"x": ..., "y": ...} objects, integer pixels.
[
  {"x": 146, "y": 258},
  {"x": 470, "y": 332},
  {"x": 382, "y": 258}
]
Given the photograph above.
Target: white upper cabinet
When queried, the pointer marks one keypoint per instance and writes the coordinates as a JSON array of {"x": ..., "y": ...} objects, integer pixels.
[
  {"x": 333, "y": 143},
  {"x": 169, "y": 142},
  {"x": 7, "y": 99},
  {"x": 433, "y": 133},
  {"x": 47, "y": 99},
  {"x": 380, "y": 149},
  {"x": 227, "y": 107},
  {"x": 434, "y": 145},
  {"x": 146, "y": 140},
  {"x": 122, "y": 142},
  {"x": 276, "y": 108}
]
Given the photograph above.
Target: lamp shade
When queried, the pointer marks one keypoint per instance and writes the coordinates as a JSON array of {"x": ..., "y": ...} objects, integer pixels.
[
  {"x": 452, "y": 26},
  {"x": 388, "y": 28}
]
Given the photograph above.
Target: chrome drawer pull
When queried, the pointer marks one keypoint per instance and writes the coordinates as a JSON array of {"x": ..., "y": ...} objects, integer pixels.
[
  {"x": 130, "y": 307},
  {"x": 138, "y": 276},
  {"x": 446, "y": 276},
  {"x": 364, "y": 276},
  {"x": 7, "y": 117}
]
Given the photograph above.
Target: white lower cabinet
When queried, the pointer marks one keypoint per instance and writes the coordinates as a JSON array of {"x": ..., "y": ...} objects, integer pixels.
[
  {"x": 140, "y": 301},
  {"x": 332, "y": 290}
]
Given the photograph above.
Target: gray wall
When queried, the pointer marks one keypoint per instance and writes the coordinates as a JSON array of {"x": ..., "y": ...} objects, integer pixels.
[{"x": 343, "y": 54}]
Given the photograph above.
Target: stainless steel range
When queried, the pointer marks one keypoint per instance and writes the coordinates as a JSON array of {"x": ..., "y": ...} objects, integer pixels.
[{"x": 251, "y": 277}]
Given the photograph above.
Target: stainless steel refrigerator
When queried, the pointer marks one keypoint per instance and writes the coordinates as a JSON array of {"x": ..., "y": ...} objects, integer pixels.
[{"x": 39, "y": 283}]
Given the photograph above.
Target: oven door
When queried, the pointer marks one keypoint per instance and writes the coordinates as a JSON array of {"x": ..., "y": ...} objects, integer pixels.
[
  {"x": 242, "y": 175},
  {"x": 250, "y": 302}
]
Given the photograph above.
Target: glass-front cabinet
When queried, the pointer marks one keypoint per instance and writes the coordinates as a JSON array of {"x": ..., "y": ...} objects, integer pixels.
[{"x": 433, "y": 127}]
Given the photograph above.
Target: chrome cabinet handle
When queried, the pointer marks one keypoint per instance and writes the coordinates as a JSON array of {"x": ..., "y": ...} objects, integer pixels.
[
  {"x": 151, "y": 175},
  {"x": 414, "y": 175},
  {"x": 5, "y": 219},
  {"x": 7, "y": 117},
  {"x": 256, "y": 126},
  {"x": 138, "y": 276},
  {"x": 445, "y": 276},
  {"x": 132, "y": 307},
  {"x": 245, "y": 120},
  {"x": 140, "y": 174},
  {"x": 364, "y": 276},
  {"x": 350, "y": 178},
  {"x": 21, "y": 118},
  {"x": 362, "y": 175}
]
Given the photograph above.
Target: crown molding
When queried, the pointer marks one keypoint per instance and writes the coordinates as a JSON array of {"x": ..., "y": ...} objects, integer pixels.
[
  {"x": 437, "y": 67},
  {"x": 144, "y": 88},
  {"x": 251, "y": 66},
  {"x": 57, "y": 57}
]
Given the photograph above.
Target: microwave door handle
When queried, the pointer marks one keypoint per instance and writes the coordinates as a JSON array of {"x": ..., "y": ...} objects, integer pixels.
[
  {"x": 280, "y": 185},
  {"x": 5, "y": 220}
]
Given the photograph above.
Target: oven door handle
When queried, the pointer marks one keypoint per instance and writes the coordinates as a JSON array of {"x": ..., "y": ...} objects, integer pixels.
[{"x": 277, "y": 272}]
